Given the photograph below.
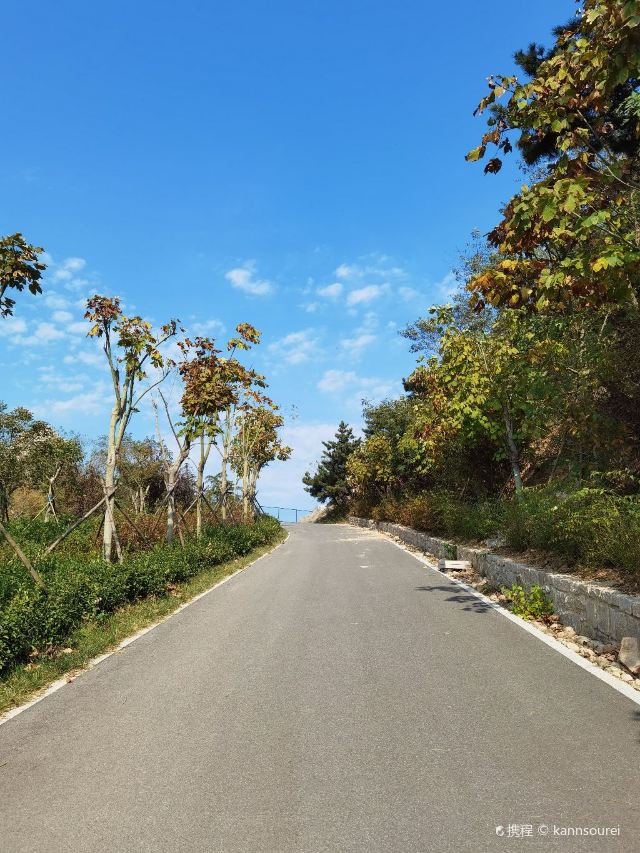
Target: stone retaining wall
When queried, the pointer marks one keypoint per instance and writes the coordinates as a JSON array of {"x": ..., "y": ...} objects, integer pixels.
[{"x": 596, "y": 610}]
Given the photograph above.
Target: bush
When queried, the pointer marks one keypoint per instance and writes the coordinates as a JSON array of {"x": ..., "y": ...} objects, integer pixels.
[
  {"x": 533, "y": 604},
  {"x": 440, "y": 513},
  {"x": 588, "y": 526},
  {"x": 79, "y": 590}
]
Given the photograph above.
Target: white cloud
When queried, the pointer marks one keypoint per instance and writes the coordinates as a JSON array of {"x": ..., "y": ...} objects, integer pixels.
[
  {"x": 368, "y": 266},
  {"x": 408, "y": 294},
  {"x": 336, "y": 380},
  {"x": 91, "y": 359},
  {"x": 331, "y": 291},
  {"x": 345, "y": 271},
  {"x": 209, "y": 327},
  {"x": 62, "y": 316},
  {"x": 80, "y": 327},
  {"x": 12, "y": 326},
  {"x": 296, "y": 347},
  {"x": 44, "y": 333},
  {"x": 54, "y": 300},
  {"x": 357, "y": 387},
  {"x": 357, "y": 344},
  {"x": 90, "y": 403},
  {"x": 447, "y": 286},
  {"x": 243, "y": 278},
  {"x": 364, "y": 295},
  {"x": 67, "y": 269}
]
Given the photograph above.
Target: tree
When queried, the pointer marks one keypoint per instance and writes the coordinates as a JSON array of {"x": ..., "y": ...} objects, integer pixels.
[
  {"x": 140, "y": 464},
  {"x": 172, "y": 465},
  {"x": 130, "y": 346},
  {"x": 32, "y": 454},
  {"x": 213, "y": 388},
  {"x": 19, "y": 268},
  {"x": 573, "y": 236},
  {"x": 256, "y": 444},
  {"x": 55, "y": 458},
  {"x": 330, "y": 480}
]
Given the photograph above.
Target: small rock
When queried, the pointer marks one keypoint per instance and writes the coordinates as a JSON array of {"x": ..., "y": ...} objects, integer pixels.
[
  {"x": 573, "y": 646},
  {"x": 581, "y": 640},
  {"x": 609, "y": 648},
  {"x": 615, "y": 670},
  {"x": 629, "y": 654},
  {"x": 568, "y": 630},
  {"x": 603, "y": 661},
  {"x": 597, "y": 647}
]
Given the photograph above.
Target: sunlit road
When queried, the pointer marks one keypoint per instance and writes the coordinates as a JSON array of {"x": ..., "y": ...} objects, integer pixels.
[{"x": 336, "y": 696}]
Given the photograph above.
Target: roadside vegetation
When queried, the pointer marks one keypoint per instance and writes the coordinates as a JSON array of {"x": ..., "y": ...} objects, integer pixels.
[
  {"x": 521, "y": 419},
  {"x": 113, "y": 603},
  {"x": 90, "y": 531}
]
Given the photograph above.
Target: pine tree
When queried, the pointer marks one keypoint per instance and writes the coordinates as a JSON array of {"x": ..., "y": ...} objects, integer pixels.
[{"x": 330, "y": 479}]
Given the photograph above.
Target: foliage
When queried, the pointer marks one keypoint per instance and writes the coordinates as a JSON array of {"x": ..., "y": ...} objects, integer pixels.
[
  {"x": 19, "y": 268},
  {"x": 530, "y": 604},
  {"x": 571, "y": 236},
  {"x": 587, "y": 525},
  {"x": 131, "y": 347},
  {"x": 329, "y": 482},
  {"x": 32, "y": 453},
  {"x": 81, "y": 589}
]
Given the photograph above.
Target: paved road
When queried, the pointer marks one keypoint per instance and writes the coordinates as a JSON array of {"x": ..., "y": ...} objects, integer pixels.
[{"x": 337, "y": 696}]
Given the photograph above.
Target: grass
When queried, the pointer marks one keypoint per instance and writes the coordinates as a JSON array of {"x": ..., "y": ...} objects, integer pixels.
[{"x": 102, "y": 635}]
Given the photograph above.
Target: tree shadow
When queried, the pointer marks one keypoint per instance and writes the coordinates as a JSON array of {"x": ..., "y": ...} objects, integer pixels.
[{"x": 470, "y": 603}]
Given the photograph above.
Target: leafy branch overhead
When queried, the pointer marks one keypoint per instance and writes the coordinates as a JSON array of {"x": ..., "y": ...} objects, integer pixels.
[
  {"x": 573, "y": 235},
  {"x": 20, "y": 267}
]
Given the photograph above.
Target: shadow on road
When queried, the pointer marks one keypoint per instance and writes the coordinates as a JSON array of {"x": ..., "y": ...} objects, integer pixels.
[{"x": 470, "y": 602}]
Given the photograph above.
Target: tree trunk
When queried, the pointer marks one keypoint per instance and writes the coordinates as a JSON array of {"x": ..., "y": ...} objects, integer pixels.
[
  {"x": 4, "y": 504},
  {"x": 245, "y": 490},
  {"x": 171, "y": 504},
  {"x": 202, "y": 461},
  {"x": 51, "y": 497},
  {"x": 109, "y": 524},
  {"x": 172, "y": 477},
  {"x": 513, "y": 450}
]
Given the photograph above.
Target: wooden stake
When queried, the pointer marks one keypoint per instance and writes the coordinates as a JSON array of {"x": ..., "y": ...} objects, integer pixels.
[
  {"x": 77, "y": 523},
  {"x": 23, "y": 557}
]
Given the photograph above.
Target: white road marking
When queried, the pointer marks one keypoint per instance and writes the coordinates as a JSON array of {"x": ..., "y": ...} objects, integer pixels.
[
  {"x": 591, "y": 668},
  {"x": 67, "y": 679}
]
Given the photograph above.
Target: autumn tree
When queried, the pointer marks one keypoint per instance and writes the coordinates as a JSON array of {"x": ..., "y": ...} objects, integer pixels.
[
  {"x": 20, "y": 268},
  {"x": 131, "y": 348},
  {"x": 214, "y": 386},
  {"x": 573, "y": 235},
  {"x": 255, "y": 445}
]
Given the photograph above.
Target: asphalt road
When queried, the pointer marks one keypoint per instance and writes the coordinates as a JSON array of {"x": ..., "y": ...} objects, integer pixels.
[{"x": 336, "y": 696}]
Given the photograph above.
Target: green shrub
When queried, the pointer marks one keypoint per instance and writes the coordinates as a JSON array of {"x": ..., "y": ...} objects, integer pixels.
[
  {"x": 533, "y": 604},
  {"x": 81, "y": 589},
  {"x": 584, "y": 525}
]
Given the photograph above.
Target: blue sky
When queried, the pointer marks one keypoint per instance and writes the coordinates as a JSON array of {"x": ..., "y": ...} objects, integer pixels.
[{"x": 296, "y": 165}]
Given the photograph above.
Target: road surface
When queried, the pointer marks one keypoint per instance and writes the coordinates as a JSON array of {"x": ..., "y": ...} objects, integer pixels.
[{"x": 336, "y": 696}]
